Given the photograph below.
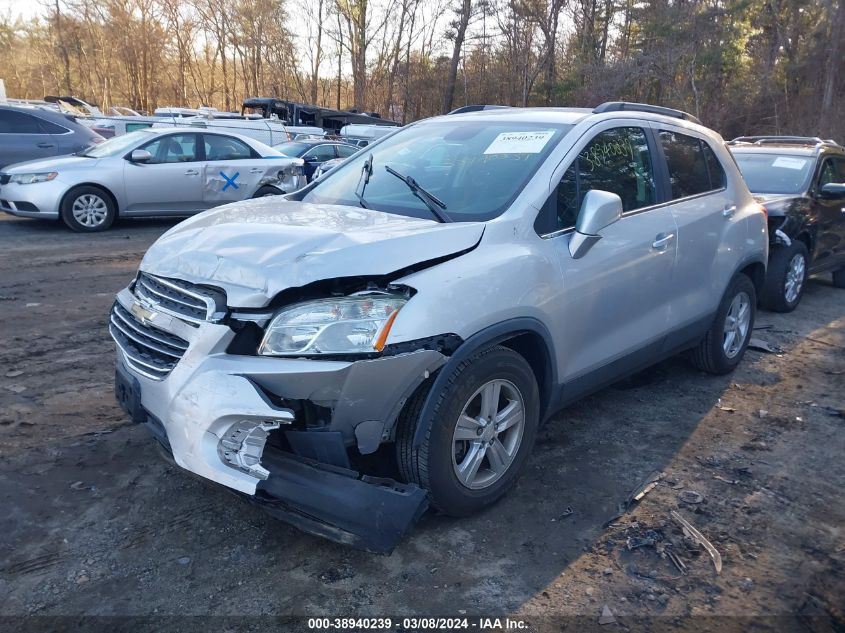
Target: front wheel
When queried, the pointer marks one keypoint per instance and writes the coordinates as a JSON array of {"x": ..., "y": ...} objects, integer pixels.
[
  {"x": 88, "y": 209},
  {"x": 785, "y": 279},
  {"x": 724, "y": 345},
  {"x": 485, "y": 422}
]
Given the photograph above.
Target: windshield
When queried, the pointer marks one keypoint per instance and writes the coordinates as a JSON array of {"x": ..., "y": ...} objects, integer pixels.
[
  {"x": 118, "y": 145},
  {"x": 294, "y": 150},
  {"x": 476, "y": 168},
  {"x": 774, "y": 173}
]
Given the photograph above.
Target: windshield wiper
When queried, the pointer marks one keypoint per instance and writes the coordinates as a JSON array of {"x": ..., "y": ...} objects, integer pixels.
[
  {"x": 363, "y": 181},
  {"x": 430, "y": 200}
]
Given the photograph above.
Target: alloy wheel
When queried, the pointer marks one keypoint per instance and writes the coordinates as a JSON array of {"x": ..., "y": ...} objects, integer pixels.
[
  {"x": 737, "y": 322},
  {"x": 794, "y": 277},
  {"x": 488, "y": 434},
  {"x": 90, "y": 210}
]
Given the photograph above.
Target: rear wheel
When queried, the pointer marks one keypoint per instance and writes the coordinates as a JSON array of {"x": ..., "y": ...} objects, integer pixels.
[
  {"x": 266, "y": 191},
  {"x": 485, "y": 422},
  {"x": 88, "y": 209},
  {"x": 723, "y": 347},
  {"x": 786, "y": 277}
]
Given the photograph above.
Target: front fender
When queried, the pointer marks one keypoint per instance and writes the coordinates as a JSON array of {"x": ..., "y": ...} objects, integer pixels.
[{"x": 488, "y": 337}]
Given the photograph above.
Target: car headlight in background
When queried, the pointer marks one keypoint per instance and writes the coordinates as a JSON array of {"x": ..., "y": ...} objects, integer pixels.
[
  {"x": 346, "y": 325},
  {"x": 28, "y": 179}
]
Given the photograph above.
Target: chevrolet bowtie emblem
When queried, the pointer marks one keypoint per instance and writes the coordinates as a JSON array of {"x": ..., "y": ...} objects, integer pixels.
[{"x": 143, "y": 312}]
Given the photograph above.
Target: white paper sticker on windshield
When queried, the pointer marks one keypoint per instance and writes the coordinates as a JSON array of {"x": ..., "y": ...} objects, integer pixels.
[
  {"x": 519, "y": 142},
  {"x": 789, "y": 163}
]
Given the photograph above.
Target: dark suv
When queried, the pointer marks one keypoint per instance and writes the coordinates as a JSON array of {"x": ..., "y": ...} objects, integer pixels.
[
  {"x": 801, "y": 181},
  {"x": 30, "y": 133}
]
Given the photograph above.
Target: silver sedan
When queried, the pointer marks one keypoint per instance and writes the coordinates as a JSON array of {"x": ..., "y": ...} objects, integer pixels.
[{"x": 152, "y": 172}]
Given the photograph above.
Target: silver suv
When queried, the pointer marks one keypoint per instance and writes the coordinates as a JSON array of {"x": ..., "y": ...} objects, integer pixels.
[{"x": 394, "y": 334}]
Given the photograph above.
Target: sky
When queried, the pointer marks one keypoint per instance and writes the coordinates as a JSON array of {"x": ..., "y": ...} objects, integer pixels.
[{"x": 23, "y": 8}]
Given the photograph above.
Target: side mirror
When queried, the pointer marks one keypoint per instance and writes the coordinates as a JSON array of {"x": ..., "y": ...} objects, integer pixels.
[
  {"x": 599, "y": 210},
  {"x": 140, "y": 156},
  {"x": 311, "y": 159},
  {"x": 833, "y": 190}
]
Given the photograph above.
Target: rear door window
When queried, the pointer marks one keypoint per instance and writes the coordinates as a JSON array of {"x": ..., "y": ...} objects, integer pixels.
[
  {"x": 12, "y": 122},
  {"x": 691, "y": 170},
  {"x": 218, "y": 147},
  {"x": 617, "y": 160},
  {"x": 345, "y": 151}
]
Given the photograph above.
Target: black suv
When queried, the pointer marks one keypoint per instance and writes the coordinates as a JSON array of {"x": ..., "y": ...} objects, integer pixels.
[{"x": 801, "y": 182}]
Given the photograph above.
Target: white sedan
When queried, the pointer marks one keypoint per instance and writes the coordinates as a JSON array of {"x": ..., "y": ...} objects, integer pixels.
[{"x": 151, "y": 172}]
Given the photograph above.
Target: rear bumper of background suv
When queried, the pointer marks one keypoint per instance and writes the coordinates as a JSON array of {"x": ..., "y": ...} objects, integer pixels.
[{"x": 249, "y": 422}]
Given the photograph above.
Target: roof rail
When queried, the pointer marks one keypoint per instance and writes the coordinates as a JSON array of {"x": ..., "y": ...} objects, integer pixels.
[
  {"x": 618, "y": 106},
  {"x": 783, "y": 140}
]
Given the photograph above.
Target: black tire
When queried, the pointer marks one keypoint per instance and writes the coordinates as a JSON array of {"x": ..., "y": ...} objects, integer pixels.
[
  {"x": 102, "y": 209},
  {"x": 839, "y": 278},
  {"x": 779, "y": 275},
  {"x": 431, "y": 464},
  {"x": 267, "y": 190},
  {"x": 710, "y": 355}
]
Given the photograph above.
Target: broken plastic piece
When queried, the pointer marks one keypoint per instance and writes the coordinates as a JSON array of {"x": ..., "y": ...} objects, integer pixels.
[
  {"x": 243, "y": 445},
  {"x": 699, "y": 537},
  {"x": 763, "y": 346},
  {"x": 606, "y": 616}
]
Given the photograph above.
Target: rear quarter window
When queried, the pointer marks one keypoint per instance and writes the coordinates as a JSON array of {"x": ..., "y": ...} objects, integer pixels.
[
  {"x": 693, "y": 166},
  {"x": 51, "y": 128}
]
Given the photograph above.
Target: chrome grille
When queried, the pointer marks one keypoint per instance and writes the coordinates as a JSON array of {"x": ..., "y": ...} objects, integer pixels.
[
  {"x": 148, "y": 350},
  {"x": 180, "y": 298}
]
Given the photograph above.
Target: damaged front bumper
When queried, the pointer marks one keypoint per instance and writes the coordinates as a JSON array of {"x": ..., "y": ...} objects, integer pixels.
[{"x": 249, "y": 422}]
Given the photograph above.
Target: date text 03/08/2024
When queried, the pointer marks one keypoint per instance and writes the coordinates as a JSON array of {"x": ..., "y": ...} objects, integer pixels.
[{"x": 417, "y": 624}]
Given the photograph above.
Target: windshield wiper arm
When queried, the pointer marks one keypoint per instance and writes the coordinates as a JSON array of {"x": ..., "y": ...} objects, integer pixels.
[
  {"x": 430, "y": 200},
  {"x": 363, "y": 181}
]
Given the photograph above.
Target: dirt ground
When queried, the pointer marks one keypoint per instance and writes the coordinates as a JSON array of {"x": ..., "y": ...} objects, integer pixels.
[{"x": 94, "y": 522}]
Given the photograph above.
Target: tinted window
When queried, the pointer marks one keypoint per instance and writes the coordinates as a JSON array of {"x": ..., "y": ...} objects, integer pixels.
[
  {"x": 175, "y": 148},
  {"x": 225, "y": 148},
  {"x": 774, "y": 173},
  {"x": 616, "y": 160},
  {"x": 321, "y": 153},
  {"x": 688, "y": 171},
  {"x": 12, "y": 122},
  {"x": 131, "y": 127},
  {"x": 833, "y": 170},
  {"x": 718, "y": 180},
  {"x": 294, "y": 150},
  {"x": 345, "y": 151},
  {"x": 51, "y": 128}
]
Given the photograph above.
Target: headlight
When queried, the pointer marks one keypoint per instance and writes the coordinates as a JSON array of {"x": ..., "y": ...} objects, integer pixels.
[
  {"x": 346, "y": 325},
  {"x": 28, "y": 179}
]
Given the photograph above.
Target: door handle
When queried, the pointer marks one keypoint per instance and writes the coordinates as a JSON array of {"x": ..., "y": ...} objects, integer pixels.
[
  {"x": 256, "y": 170},
  {"x": 729, "y": 211},
  {"x": 191, "y": 172},
  {"x": 46, "y": 145},
  {"x": 662, "y": 241}
]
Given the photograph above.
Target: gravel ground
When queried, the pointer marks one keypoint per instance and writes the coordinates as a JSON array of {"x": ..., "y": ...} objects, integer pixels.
[{"x": 97, "y": 523}]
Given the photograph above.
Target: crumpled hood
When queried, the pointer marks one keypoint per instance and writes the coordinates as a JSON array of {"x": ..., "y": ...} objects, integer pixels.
[
  {"x": 56, "y": 163},
  {"x": 255, "y": 249}
]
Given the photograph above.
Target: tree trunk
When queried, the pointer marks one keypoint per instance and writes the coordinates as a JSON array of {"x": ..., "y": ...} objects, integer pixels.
[{"x": 460, "y": 34}]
